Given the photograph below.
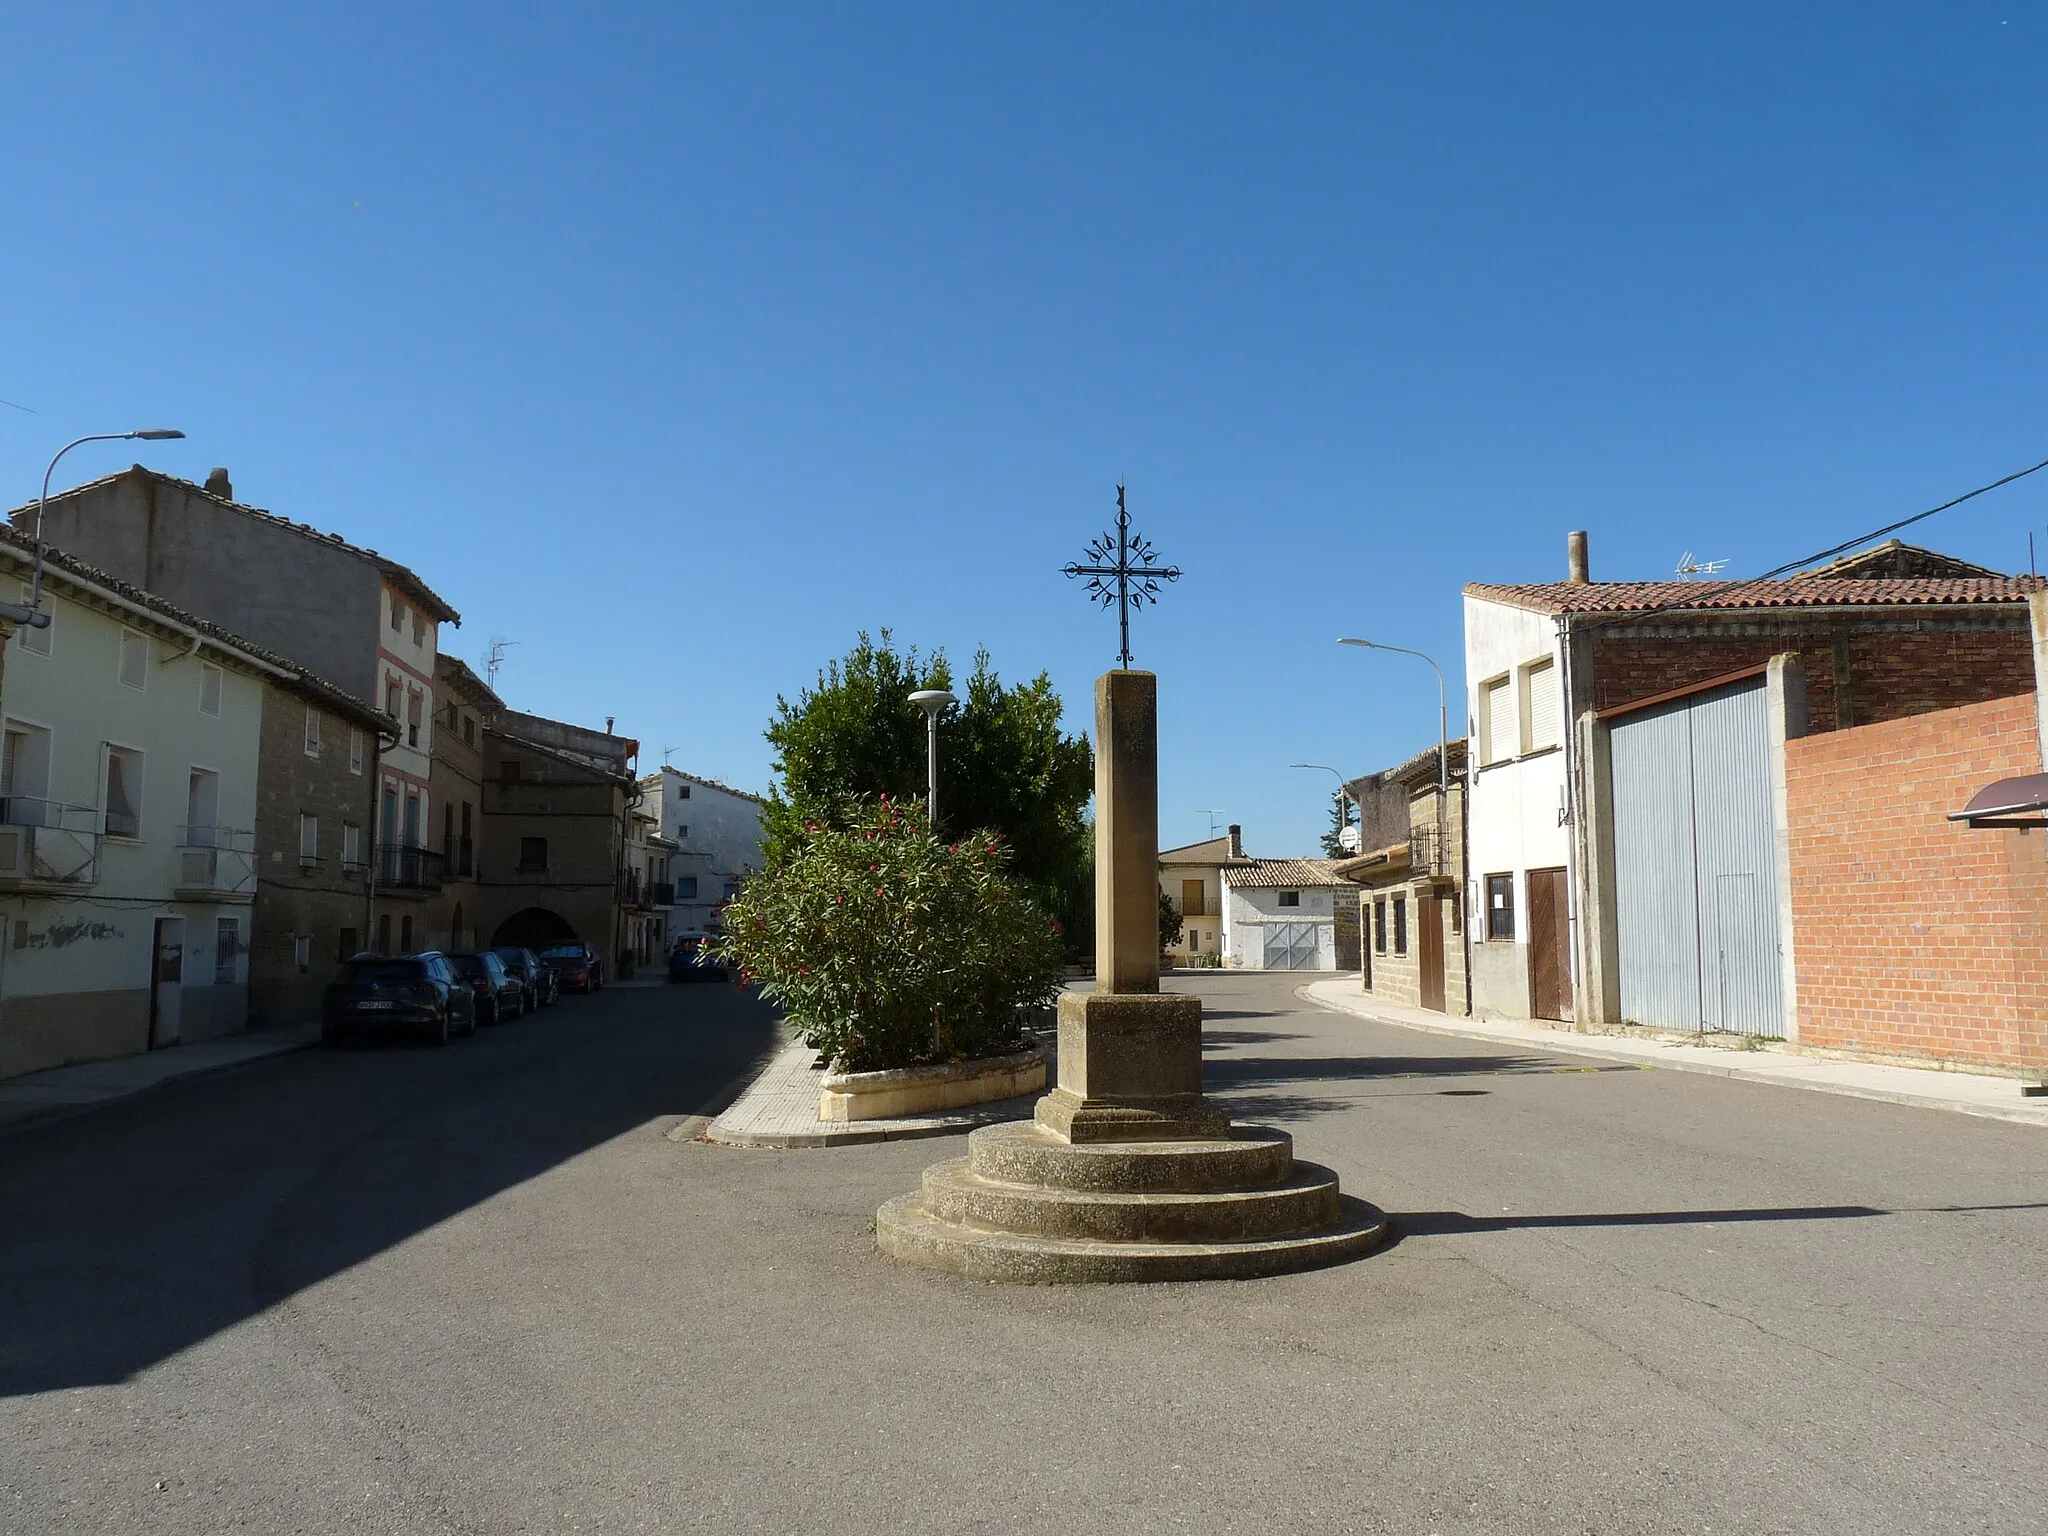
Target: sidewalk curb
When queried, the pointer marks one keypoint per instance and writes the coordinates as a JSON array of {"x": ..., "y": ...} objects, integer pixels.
[
  {"x": 30, "y": 1118},
  {"x": 1584, "y": 1045}
]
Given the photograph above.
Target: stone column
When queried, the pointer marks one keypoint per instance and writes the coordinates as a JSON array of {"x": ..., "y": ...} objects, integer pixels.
[{"x": 1130, "y": 1055}]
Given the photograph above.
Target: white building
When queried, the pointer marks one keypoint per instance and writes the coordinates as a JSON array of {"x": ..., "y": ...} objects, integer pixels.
[
  {"x": 128, "y": 794},
  {"x": 1519, "y": 836},
  {"x": 1281, "y": 914},
  {"x": 716, "y": 831}
]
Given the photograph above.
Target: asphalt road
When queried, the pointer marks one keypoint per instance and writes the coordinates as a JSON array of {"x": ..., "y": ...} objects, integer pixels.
[{"x": 483, "y": 1290}]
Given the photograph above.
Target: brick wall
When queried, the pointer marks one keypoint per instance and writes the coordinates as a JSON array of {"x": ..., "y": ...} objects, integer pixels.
[
  {"x": 1889, "y": 674},
  {"x": 1916, "y": 936}
]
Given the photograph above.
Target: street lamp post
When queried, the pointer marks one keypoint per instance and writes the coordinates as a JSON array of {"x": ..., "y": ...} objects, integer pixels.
[
  {"x": 31, "y": 613},
  {"x": 932, "y": 701},
  {"x": 1443, "y": 734}
]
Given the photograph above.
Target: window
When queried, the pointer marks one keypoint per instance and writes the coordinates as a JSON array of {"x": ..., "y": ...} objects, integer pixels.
[
  {"x": 351, "y": 846},
  {"x": 227, "y": 944},
  {"x": 345, "y": 944},
  {"x": 1496, "y": 730},
  {"x": 302, "y": 953},
  {"x": 1379, "y": 925},
  {"x": 508, "y": 771},
  {"x": 309, "y": 838},
  {"x": 1500, "y": 906},
  {"x": 134, "y": 659},
  {"x": 1290, "y": 898},
  {"x": 732, "y": 890},
  {"x": 312, "y": 731},
  {"x": 419, "y": 627},
  {"x": 533, "y": 853},
  {"x": 202, "y": 809},
  {"x": 1400, "y": 925},
  {"x": 384, "y": 934},
  {"x": 25, "y": 775},
  {"x": 209, "y": 688},
  {"x": 411, "y": 835},
  {"x": 469, "y": 729},
  {"x": 36, "y": 640},
  {"x": 355, "y": 749},
  {"x": 391, "y": 697},
  {"x": 397, "y": 614},
  {"x": 122, "y": 791},
  {"x": 415, "y": 702},
  {"x": 682, "y": 791},
  {"x": 405, "y": 934},
  {"x": 683, "y": 830},
  {"x": 686, "y": 888},
  {"x": 1191, "y": 892},
  {"x": 1194, "y": 941},
  {"x": 1539, "y": 706},
  {"x": 448, "y": 834}
]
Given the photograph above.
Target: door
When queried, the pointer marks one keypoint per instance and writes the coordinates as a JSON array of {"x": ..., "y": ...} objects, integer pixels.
[
  {"x": 1290, "y": 946},
  {"x": 167, "y": 981},
  {"x": 1695, "y": 856},
  {"x": 1429, "y": 949},
  {"x": 1550, "y": 965}
]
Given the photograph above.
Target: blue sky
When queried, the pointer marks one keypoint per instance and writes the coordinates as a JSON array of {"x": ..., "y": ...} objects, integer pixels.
[{"x": 680, "y": 343}]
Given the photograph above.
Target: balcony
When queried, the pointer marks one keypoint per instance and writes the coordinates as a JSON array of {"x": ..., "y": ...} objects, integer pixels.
[
  {"x": 47, "y": 845},
  {"x": 661, "y": 893},
  {"x": 216, "y": 864},
  {"x": 402, "y": 868}
]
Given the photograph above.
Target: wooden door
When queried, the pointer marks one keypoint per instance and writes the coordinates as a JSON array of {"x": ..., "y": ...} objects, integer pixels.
[
  {"x": 1550, "y": 966},
  {"x": 1429, "y": 949}
]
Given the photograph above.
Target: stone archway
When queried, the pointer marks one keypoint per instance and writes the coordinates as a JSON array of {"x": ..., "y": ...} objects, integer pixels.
[{"x": 535, "y": 928}]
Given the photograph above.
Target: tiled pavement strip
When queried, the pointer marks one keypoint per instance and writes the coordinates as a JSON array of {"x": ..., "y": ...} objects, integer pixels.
[
  {"x": 1969, "y": 1093},
  {"x": 61, "y": 1091}
]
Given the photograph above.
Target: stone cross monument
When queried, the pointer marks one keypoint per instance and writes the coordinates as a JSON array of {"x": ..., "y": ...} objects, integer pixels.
[{"x": 1130, "y": 1056}]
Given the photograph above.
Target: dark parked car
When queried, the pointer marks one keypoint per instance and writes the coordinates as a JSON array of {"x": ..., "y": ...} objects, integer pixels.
[
  {"x": 413, "y": 995},
  {"x": 539, "y": 980},
  {"x": 498, "y": 994},
  {"x": 576, "y": 966},
  {"x": 688, "y": 962}
]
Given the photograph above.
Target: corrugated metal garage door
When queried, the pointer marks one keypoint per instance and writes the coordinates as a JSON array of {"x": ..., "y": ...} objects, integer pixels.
[{"x": 1696, "y": 891}]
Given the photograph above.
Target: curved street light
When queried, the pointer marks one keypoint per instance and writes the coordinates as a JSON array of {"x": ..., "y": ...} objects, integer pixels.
[
  {"x": 932, "y": 701},
  {"x": 1341, "y": 796},
  {"x": 31, "y": 614}
]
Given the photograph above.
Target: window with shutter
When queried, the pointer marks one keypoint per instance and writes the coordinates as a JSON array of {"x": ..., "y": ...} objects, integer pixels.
[
  {"x": 1540, "y": 706},
  {"x": 355, "y": 749},
  {"x": 1496, "y": 725},
  {"x": 312, "y": 731},
  {"x": 134, "y": 659},
  {"x": 209, "y": 688}
]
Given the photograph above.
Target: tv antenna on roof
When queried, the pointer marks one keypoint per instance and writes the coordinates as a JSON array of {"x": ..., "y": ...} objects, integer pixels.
[
  {"x": 1688, "y": 566},
  {"x": 494, "y": 658},
  {"x": 1213, "y": 823},
  {"x": 666, "y": 754}
]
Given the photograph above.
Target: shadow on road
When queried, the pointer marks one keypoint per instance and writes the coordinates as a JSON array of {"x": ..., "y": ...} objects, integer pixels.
[{"x": 142, "y": 1228}]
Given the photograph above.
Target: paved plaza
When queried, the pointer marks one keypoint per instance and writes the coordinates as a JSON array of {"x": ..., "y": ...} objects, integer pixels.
[{"x": 500, "y": 1288}]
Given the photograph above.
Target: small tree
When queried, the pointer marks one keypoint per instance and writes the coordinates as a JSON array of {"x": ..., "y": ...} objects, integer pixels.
[
  {"x": 1169, "y": 921},
  {"x": 889, "y": 948},
  {"x": 1340, "y": 818}
]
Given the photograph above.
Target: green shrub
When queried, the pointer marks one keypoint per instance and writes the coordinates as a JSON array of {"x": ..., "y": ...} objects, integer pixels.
[{"x": 888, "y": 948}]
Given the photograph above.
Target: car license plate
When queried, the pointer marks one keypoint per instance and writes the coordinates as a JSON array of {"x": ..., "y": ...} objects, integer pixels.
[{"x": 365, "y": 1006}]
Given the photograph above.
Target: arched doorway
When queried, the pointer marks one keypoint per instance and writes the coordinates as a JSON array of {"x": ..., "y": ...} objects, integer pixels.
[{"x": 534, "y": 928}]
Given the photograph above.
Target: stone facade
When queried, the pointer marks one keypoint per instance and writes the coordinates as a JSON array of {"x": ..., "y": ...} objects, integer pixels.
[
  {"x": 1413, "y": 882},
  {"x": 315, "y": 806},
  {"x": 467, "y": 707}
]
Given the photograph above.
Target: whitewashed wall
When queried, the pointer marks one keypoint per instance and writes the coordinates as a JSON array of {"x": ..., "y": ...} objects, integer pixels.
[
  {"x": 720, "y": 833},
  {"x": 1515, "y": 826},
  {"x": 1246, "y": 913}
]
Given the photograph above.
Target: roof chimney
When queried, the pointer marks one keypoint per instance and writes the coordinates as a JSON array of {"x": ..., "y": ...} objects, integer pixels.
[
  {"x": 1236, "y": 841},
  {"x": 218, "y": 484},
  {"x": 1575, "y": 559}
]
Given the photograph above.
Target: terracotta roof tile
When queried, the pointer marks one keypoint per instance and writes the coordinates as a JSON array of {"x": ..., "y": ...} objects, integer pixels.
[
  {"x": 1793, "y": 592},
  {"x": 1272, "y": 874}
]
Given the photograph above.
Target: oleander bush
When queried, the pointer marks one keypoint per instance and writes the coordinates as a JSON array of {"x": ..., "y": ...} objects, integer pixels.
[{"x": 887, "y": 947}]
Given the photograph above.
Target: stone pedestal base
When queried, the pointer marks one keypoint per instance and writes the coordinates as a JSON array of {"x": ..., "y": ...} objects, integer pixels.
[{"x": 1130, "y": 1070}]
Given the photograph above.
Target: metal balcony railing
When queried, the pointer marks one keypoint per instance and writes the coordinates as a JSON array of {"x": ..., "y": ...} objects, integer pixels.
[
  {"x": 661, "y": 893},
  {"x": 404, "y": 868},
  {"x": 46, "y": 842},
  {"x": 216, "y": 861}
]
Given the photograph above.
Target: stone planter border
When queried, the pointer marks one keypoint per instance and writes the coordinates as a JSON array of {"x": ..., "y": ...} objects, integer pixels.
[{"x": 848, "y": 1096}]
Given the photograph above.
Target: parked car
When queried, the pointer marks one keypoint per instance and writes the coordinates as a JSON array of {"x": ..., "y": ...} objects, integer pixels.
[
  {"x": 540, "y": 982},
  {"x": 496, "y": 992},
  {"x": 577, "y": 967},
  {"x": 413, "y": 995},
  {"x": 688, "y": 962}
]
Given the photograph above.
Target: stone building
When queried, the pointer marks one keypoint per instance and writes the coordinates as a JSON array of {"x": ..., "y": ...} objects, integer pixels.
[
  {"x": 362, "y": 621},
  {"x": 1411, "y": 912},
  {"x": 315, "y": 804},
  {"x": 466, "y": 708},
  {"x": 551, "y": 861}
]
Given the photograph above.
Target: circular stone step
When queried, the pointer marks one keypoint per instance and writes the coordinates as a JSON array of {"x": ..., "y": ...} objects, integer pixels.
[
  {"x": 907, "y": 1231},
  {"x": 1305, "y": 1203},
  {"x": 1024, "y": 1152}
]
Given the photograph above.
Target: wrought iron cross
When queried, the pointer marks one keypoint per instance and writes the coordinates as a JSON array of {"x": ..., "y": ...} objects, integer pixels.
[{"x": 1125, "y": 572}]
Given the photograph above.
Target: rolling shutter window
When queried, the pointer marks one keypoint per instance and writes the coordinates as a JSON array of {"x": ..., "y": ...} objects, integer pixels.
[
  {"x": 1496, "y": 723},
  {"x": 1540, "y": 709}
]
